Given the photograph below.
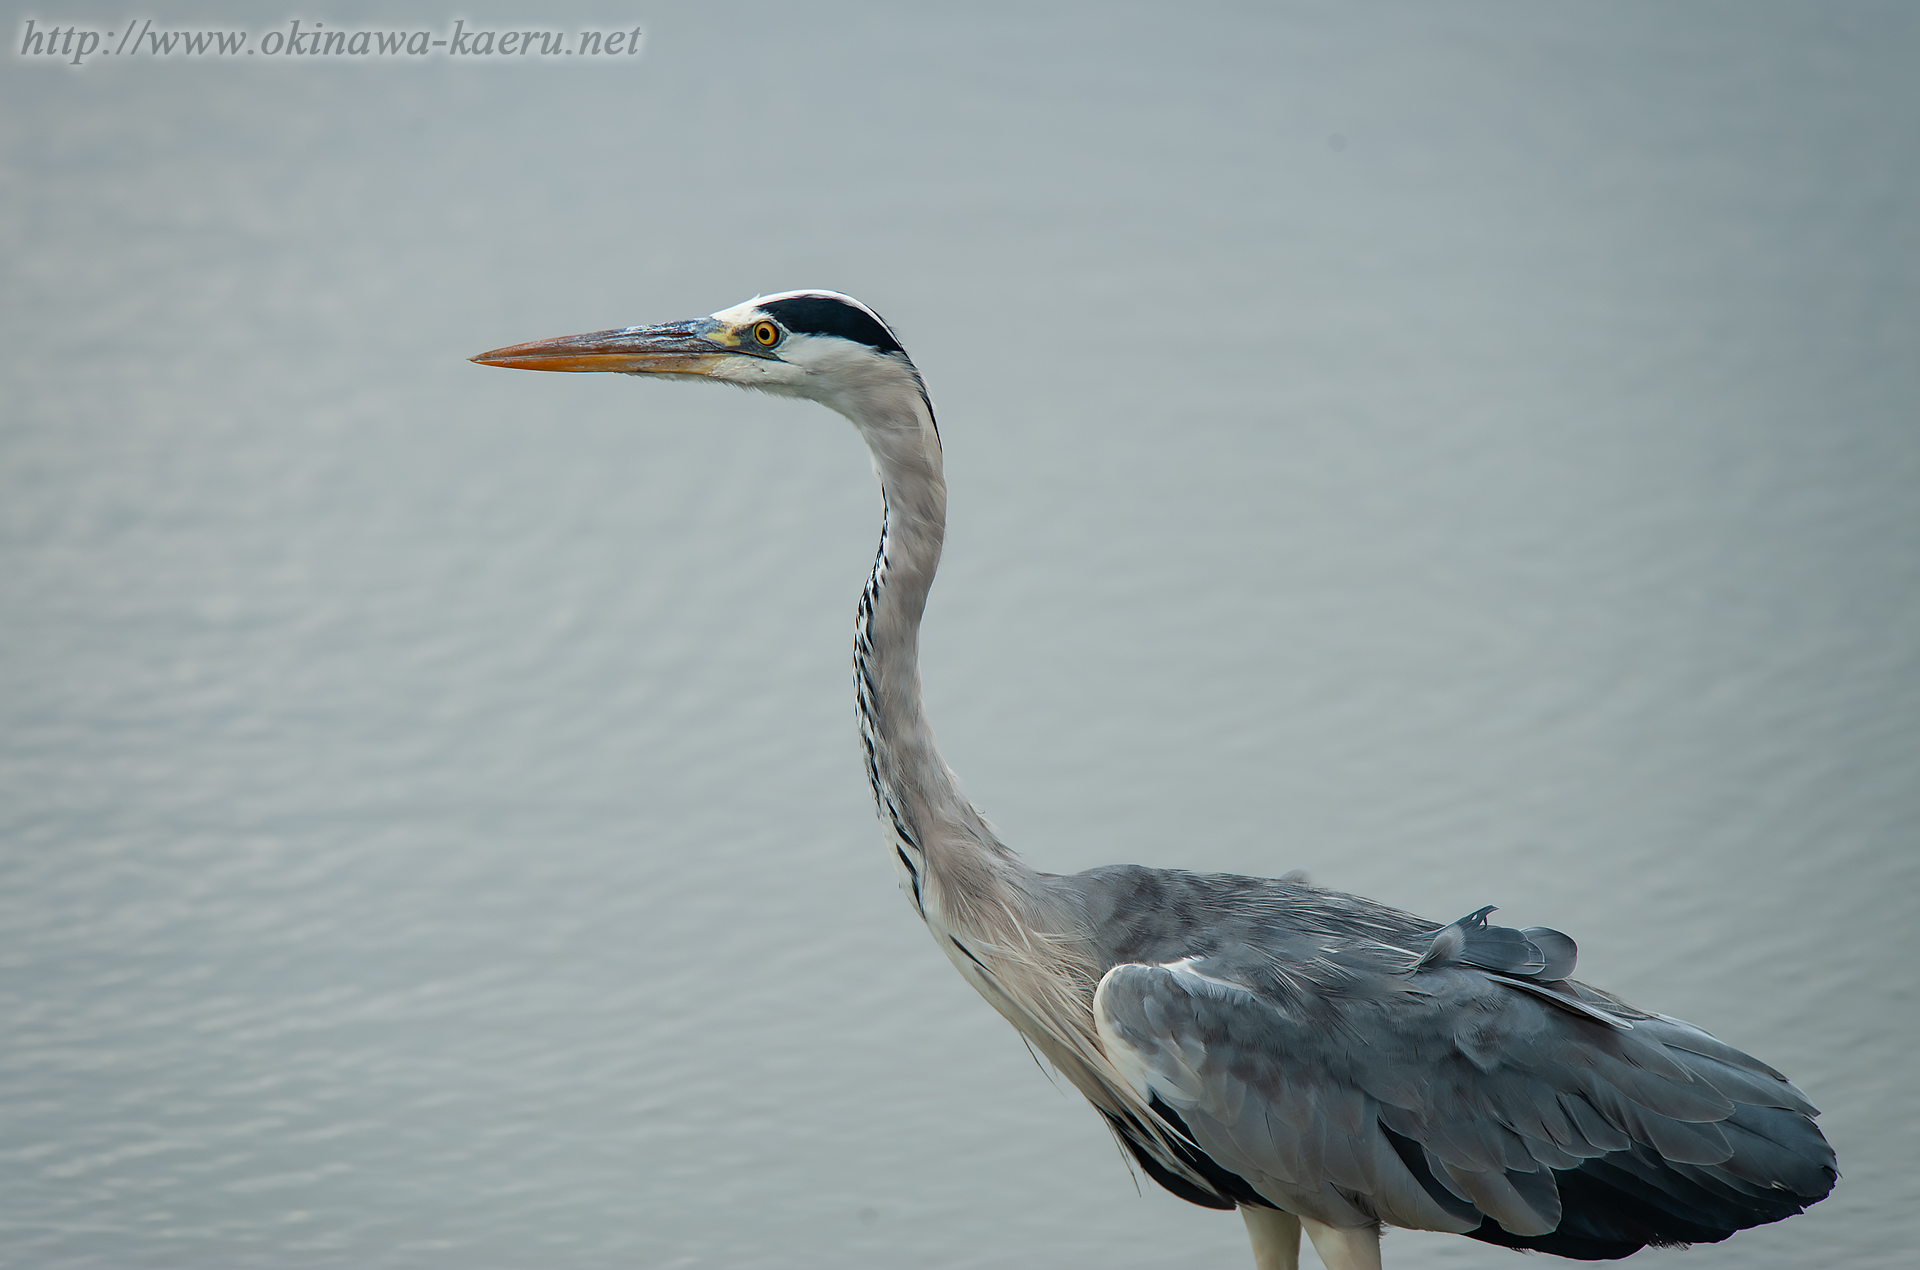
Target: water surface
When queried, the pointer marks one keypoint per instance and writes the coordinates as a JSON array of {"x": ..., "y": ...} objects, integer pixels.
[{"x": 1468, "y": 454}]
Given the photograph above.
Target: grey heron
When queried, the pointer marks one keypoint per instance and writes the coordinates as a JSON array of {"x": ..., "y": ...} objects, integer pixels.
[{"x": 1313, "y": 1059}]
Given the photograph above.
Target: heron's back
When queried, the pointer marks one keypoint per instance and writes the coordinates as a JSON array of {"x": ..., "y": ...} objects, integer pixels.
[{"x": 1350, "y": 1062}]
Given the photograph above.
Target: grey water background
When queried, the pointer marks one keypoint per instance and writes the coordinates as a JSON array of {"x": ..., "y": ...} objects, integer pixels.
[{"x": 1468, "y": 452}]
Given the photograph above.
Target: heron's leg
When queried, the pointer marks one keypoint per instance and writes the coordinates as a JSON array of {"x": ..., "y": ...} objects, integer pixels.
[
  {"x": 1345, "y": 1247},
  {"x": 1275, "y": 1236}
]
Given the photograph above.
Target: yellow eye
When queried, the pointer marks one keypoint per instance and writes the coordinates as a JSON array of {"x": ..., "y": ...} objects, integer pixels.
[{"x": 766, "y": 333}]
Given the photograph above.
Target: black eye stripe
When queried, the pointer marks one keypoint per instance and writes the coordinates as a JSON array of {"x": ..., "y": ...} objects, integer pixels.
[{"x": 830, "y": 315}]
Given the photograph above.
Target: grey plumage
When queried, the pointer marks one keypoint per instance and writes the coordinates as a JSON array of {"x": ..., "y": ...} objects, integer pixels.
[
  {"x": 1259, "y": 1044},
  {"x": 1297, "y": 1033}
]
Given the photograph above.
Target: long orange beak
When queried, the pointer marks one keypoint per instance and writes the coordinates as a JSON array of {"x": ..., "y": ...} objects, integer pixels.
[{"x": 678, "y": 348}]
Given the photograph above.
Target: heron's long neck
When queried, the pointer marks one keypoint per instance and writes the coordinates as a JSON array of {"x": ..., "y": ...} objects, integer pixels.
[
  {"x": 954, "y": 864},
  {"x": 997, "y": 920}
]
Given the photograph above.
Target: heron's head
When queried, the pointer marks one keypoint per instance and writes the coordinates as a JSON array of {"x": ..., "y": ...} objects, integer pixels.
[{"x": 816, "y": 344}]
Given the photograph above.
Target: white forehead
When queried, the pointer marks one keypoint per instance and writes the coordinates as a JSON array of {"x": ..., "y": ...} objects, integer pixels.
[{"x": 740, "y": 314}]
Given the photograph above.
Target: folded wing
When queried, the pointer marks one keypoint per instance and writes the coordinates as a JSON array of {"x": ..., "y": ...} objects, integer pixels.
[{"x": 1466, "y": 1092}]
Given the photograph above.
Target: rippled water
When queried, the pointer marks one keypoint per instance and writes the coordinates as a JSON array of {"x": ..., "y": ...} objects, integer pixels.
[{"x": 1468, "y": 453}]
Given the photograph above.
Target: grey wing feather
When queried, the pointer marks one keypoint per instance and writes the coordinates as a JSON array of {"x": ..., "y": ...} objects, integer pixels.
[
  {"x": 1538, "y": 952},
  {"x": 1432, "y": 1097}
]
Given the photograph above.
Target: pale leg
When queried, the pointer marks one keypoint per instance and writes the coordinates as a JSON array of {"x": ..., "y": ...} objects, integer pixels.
[
  {"x": 1275, "y": 1236},
  {"x": 1344, "y": 1247}
]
